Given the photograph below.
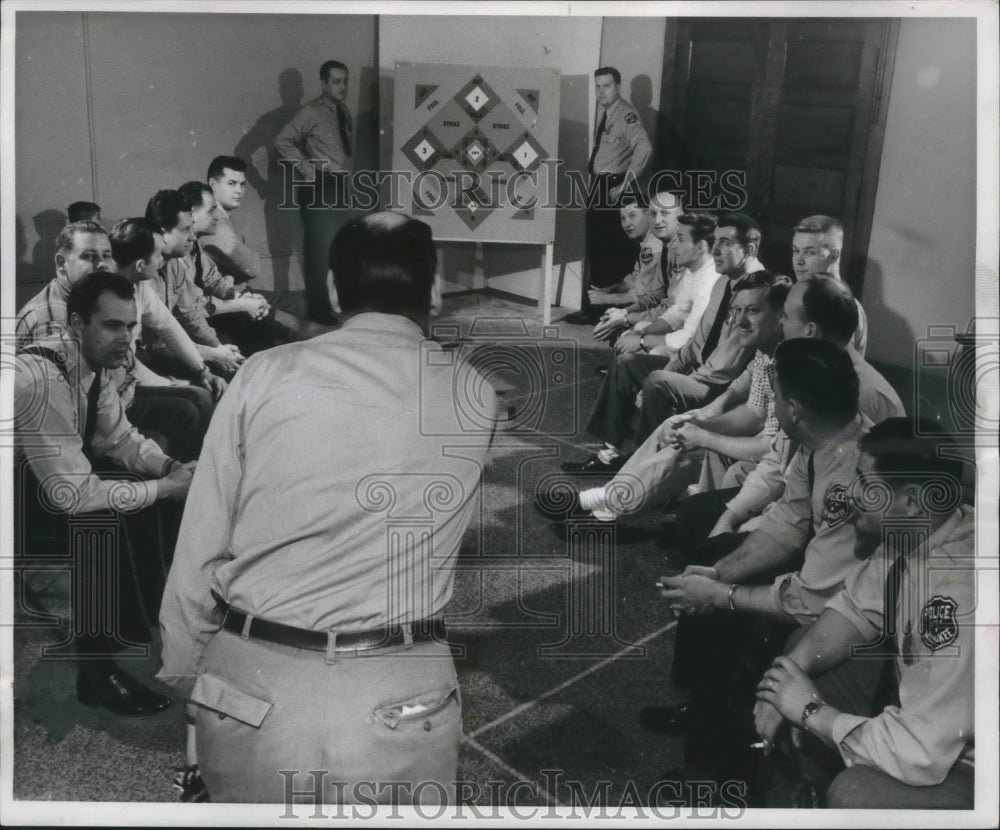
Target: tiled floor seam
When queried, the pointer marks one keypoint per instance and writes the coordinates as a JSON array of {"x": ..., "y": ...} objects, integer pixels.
[
  {"x": 524, "y": 707},
  {"x": 550, "y": 798}
]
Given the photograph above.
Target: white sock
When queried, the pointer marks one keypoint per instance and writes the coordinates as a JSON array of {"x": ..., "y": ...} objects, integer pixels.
[
  {"x": 608, "y": 454},
  {"x": 593, "y": 499},
  {"x": 603, "y": 515}
]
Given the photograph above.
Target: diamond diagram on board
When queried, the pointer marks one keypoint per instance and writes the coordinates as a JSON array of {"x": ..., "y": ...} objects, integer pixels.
[
  {"x": 424, "y": 149},
  {"x": 477, "y": 98},
  {"x": 475, "y": 151},
  {"x": 525, "y": 153}
]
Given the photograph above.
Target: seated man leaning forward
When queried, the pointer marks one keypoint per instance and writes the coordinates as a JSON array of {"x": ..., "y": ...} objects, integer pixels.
[
  {"x": 884, "y": 680},
  {"x": 763, "y": 585},
  {"x": 669, "y": 327},
  {"x": 700, "y": 371},
  {"x": 643, "y": 287},
  {"x": 739, "y": 423},
  {"x": 81, "y": 467},
  {"x": 293, "y": 592}
]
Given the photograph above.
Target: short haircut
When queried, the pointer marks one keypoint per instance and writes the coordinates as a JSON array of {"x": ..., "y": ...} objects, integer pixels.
[
  {"x": 384, "y": 268},
  {"x": 906, "y": 451},
  {"x": 829, "y": 303},
  {"x": 193, "y": 194},
  {"x": 164, "y": 209},
  {"x": 634, "y": 200},
  {"x": 826, "y": 225},
  {"x": 84, "y": 295},
  {"x": 609, "y": 70},
  {"x": 325, "y": 69},
  {"x": 747, "y": 230},
  {"x": 131, "y": 240},
  {"x": 777, "y": 285},
  {"x": 80, "y": 211},
  {"x": 67, "y": 236},
  {"x": 820, "y": 376},
  {"x": 222, "y": 163},
  {"x": 702, "y": 226}
]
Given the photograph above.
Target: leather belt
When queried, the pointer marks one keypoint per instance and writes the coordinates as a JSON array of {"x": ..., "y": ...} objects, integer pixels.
[{"x": 249, "y": 626}]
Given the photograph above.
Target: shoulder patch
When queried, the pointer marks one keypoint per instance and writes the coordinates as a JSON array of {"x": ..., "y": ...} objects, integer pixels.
[
  {"x": 631, "y": 118},
  {"x": 938, "y": 627},
  {"x": 645, "y": 255},
  {"x": 835, "y": 504}
]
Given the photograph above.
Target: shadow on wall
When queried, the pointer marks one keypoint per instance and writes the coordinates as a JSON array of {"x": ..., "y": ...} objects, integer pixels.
[
  {"x": 48, "y": 224},
  {"x": 641, "y": 97},
  {"x": 283, "y": 232}
]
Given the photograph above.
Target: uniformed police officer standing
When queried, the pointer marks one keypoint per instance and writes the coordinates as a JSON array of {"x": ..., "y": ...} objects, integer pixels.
[{"x": 621, "y": 149}]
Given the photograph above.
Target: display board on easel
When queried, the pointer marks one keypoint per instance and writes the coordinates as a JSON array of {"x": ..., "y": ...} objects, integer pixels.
[{"x": 473, "y": 141}]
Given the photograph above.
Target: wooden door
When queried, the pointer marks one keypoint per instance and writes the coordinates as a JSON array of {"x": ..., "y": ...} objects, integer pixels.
[{"x": 797, "y": 106}]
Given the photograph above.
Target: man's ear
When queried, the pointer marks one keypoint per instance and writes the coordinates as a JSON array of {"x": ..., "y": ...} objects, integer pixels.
[
  {"x": 76, "y": 323},
  {"x": 60, "y": 263},
  {"x": 752, "y": 249},
  {"x": 331, "y": 288},
  {"x": 834, "y": 256},
  {"x": 795, "y": 410},
  {"x": 436, "y": 301}
]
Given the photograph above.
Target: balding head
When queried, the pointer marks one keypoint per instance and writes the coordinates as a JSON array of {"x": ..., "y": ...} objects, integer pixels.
[{"x": 384, "y": 262}]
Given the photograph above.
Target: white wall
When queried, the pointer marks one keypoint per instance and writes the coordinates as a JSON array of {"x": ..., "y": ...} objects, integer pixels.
[
  {"x": 114, "y": 106},
  {"x": 571, "y": 45},
  {"x": 634, "y": 45},
  {"x": 922, "y": 252}
]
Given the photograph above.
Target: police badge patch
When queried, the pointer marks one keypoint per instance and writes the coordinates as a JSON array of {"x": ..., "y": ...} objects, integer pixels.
[
  {"x": 631, "y": 118},
  {"x": 938, "y": 627},
  {"x": 645, "y": 255},
  {"x": 835, "y": 504}
]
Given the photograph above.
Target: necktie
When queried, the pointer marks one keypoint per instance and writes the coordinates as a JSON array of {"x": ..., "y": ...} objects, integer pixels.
[
  {"x": 597, "y": 141},
  {"x": 90, "y": 424},
  {"x": 199, "y": 270},
  {"x": 345, "y": 130},
  {"x": 713, "y": 335},
  {"x": 888, "y": 686}
]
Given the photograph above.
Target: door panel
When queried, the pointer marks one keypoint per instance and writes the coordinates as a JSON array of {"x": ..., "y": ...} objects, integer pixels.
[{"x": 795, "y": 105}]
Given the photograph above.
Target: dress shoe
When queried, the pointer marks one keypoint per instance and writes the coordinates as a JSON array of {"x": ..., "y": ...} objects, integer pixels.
[
  {"x": 584, "y": 317},
  {"x": 601, "y": 371},
  {"x": 595, "y": 465},
  {"x": 666, "y": 720},
  {"x": 118, "y": 692}
]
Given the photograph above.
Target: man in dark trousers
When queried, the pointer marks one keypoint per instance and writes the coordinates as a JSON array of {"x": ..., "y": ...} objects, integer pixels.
[
  {"x": 71, "y": 426},
  {"x": 319, "y": 142},
  {"x": 621, "y": 148}
]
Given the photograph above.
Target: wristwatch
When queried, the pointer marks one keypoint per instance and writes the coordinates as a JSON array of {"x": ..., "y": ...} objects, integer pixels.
[{"x": 810, "y": 709}]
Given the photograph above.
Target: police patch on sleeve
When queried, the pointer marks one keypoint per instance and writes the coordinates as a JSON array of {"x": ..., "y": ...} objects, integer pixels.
[
  {"x": 835, "y": 504},
  {"x": 631, "y": 118},
  {"x": 645, "y": 255},
  {"x": 938, "y": 627}
]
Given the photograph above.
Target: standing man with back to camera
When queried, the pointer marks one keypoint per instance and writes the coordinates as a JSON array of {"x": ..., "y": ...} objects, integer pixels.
[
  {"x": 319, "y": 142},
  {"x": 299, "y": 616},
  {"x": 621, "y": 151}
]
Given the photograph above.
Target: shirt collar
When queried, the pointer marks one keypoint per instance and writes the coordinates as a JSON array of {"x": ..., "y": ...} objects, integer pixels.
[{"x": 375, "y": 320}]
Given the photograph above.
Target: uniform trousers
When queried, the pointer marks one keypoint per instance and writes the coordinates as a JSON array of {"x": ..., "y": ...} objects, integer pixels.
[
  {"x": 610, "y": 253},
  {"x": 118, "y": 561},
  {"x": 652, "y": 477},
  {"x": 695, "y": 519},
  {"x": 278, "y": 724},
  {"x": 176, "y": 417},
  {"x": 720, "y": 658},
  {"x": 857, "y": 685},
  {"x": 323, "y": 211},
  {"x": 614, "y": 409},
  {"x": 666, "y": 393}
]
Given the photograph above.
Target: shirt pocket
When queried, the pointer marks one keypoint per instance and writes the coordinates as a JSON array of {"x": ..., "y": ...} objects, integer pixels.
[
  {"x": 426, "y": 708},
  {"x": 220, "y": 695}
]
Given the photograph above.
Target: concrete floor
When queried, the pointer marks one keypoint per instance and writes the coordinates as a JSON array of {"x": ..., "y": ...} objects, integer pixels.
[{"x": 540, "y": 692}]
